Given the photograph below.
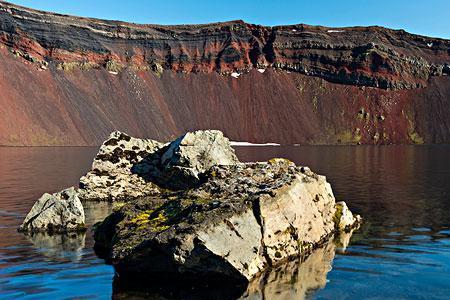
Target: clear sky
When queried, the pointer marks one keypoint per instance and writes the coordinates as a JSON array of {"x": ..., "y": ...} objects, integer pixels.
[{"x": 427, "y": 17}]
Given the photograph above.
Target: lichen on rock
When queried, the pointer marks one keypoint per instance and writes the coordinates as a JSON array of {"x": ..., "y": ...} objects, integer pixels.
[
  {"x": 190, "y": 210},
  {"x": 114, "y": 175},
  {"x": 238, "y": 220}
]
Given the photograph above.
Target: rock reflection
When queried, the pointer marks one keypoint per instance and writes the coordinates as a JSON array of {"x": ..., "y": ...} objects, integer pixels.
[
  {"x": 65, "y": 247},
  {"x": 96, "y": 211},
  {"x": 295, "y": 279}
]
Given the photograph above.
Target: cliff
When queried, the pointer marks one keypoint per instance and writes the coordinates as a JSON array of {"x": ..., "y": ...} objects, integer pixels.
[{"x": 70, "y": 81}]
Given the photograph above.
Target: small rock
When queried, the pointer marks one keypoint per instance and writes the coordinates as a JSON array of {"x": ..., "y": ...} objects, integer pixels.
[
  {"x": 344, "y": 219},
  {"x": 60, "y": 212}
]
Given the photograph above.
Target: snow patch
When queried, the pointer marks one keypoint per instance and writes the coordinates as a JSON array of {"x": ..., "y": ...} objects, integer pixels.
[
  {"x": 261, "y": 70},
  {"x": 114, "y": 73},
  {"x": 235, "y": 75},
  {"x": 430, "y": 45},
  {"x": 335, "y": 31},
  {"x": 252, "y": 144},
  {"x": 294, "y": 30}
]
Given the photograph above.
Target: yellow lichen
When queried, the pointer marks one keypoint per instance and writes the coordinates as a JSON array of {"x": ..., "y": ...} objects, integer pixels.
[
  {"x": 141, "y": 219},
  {"x": 118, "y": 205},
  {"x": 338, "y": 215},
  {"x": 144, "y": 220}
]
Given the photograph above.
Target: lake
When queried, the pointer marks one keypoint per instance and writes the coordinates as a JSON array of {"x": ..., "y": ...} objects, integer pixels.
[{"x": 402, "y": 250}]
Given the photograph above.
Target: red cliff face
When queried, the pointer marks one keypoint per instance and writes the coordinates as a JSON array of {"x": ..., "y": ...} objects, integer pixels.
[{"x": 70, "y": 81}]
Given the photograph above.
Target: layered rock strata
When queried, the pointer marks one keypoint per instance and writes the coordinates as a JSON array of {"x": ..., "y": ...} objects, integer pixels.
[{"x": 74, "y": 80}]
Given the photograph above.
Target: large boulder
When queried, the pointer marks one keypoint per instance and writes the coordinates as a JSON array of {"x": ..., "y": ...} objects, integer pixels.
[
  {"x": 189, "y": 156},
  {"x": 60, "y": 212},
  {"x": 114, "y": 175},
  {"x": 241, "y": 219},
  {"x": 126, "y": 168}
]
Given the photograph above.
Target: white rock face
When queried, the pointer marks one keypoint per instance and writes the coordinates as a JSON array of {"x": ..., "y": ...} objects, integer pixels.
[
  {"x": 60, "y": 212},
  {"x": 118, "y": 169},
  {"x": 298, "y": 217}
]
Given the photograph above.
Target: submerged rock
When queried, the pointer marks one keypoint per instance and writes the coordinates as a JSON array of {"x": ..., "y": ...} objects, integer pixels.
[
  {"x": 240, "y": 220},
  {"x": 60, "y": 212}
]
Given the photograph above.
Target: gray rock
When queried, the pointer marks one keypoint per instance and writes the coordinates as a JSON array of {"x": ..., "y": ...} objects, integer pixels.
[
  {"x": 118, "y": 171},
  {"x": 60, "y": 212},
  {"x": 192, "y": 154},
  {"x": 241, "y": 220}
]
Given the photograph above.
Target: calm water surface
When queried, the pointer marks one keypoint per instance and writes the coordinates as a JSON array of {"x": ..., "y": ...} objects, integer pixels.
[{"x": 401, "y": 252}]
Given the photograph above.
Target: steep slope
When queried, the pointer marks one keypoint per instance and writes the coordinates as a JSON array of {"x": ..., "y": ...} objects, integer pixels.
[{"x": 70, "y": 81}]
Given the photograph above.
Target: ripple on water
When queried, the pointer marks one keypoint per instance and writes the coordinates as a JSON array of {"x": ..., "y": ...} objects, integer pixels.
[{"x": 401, "y": 252}]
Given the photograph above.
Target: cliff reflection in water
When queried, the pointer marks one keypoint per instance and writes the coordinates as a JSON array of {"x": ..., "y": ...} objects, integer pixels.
[{"x": 295, "y": 279}]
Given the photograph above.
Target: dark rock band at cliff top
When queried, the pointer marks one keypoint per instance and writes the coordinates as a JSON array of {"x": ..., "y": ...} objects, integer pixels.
[{"x": 71, "y": 81}]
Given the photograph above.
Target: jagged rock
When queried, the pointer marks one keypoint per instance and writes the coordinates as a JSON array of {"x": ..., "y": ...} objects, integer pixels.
[
  {"x": 60, "y": 212},
  {"x": 240, "y": 220},
  {"x": 344, "y": 219},
  {"x": 114, "y": 175},
  {"x": 215, "y": 218},
  {"x": 192, "y": 154}
]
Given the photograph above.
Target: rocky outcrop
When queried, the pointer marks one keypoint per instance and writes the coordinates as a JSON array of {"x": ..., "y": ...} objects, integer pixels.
[
  {"x": 161, "y": 81},
  {"x": 60, "y": 212},
  {"x": 188, "y": 157},
  {"x": 115, "y": 175},
  {"x": 343, "y": 217},
  {"x": 127, "y": 168},
  {"x": 192, "y": 211},
  {"x": 239, "y": 218}
]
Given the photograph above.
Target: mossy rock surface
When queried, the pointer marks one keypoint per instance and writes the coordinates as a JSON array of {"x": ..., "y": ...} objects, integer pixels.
[{"x": 233, "y": 224}]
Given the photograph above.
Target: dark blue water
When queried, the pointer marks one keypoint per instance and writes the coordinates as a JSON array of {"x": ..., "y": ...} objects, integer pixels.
[{"x": 401, "y": 252}]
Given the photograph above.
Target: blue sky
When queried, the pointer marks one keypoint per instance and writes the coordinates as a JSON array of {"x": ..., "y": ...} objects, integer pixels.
[{"x": 430, "y": 17}]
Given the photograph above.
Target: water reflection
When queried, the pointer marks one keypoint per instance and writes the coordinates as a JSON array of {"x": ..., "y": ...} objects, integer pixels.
[
  {"x": 95, "y": 211},
  {"x": 401, "y": 251},
  {"x": 65, "y": 247},
  {"x": 295, "y": 279}
]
